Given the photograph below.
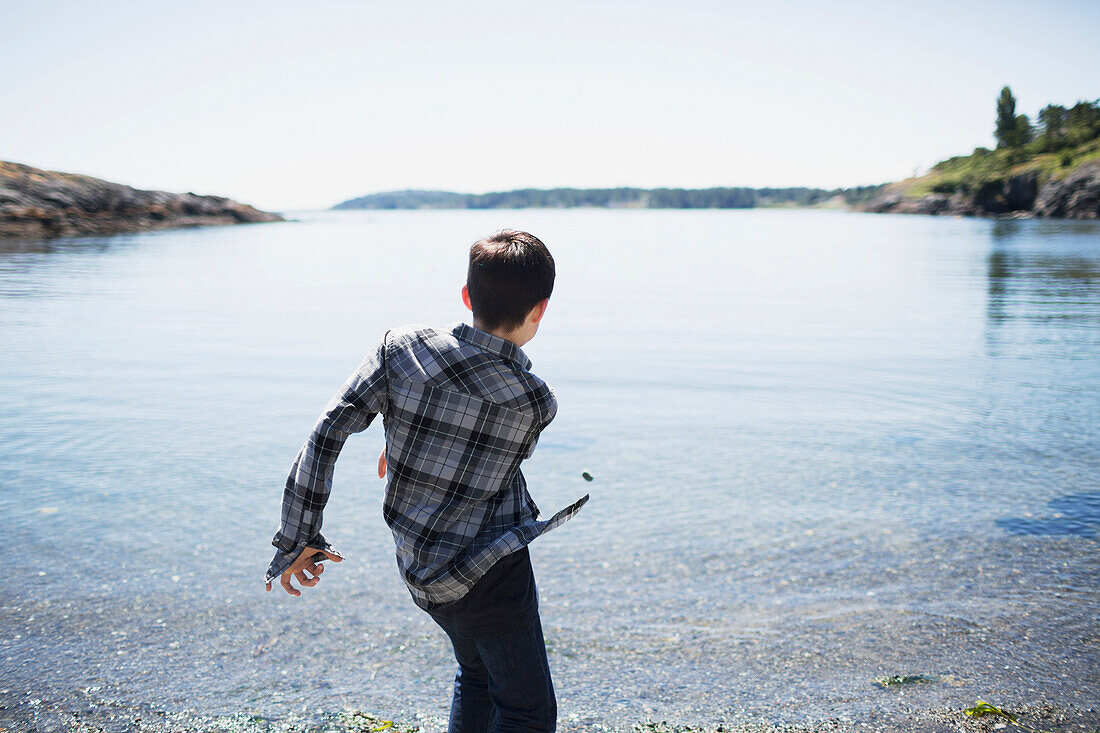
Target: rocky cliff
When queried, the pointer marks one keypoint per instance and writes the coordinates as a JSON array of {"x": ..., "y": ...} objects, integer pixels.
[
  {"x": 1074, "y": 196},
  {"x": 39, "y": 203},
  {"x": 1077, "y": 196}
]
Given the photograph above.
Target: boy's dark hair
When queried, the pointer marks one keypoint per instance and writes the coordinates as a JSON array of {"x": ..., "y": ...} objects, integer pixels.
[{"x": 510, "y": 272}]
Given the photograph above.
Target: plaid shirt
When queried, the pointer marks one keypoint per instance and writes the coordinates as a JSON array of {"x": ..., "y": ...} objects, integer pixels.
[{"x": 461, "y": 411}]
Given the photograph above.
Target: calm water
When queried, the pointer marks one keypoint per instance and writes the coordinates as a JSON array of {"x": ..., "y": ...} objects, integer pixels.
[{"x": 828, "y": 447}]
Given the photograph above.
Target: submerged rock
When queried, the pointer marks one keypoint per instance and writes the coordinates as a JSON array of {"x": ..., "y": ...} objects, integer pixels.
[
  {"x": 900, "y": 680},
  {"x": 40, "y": 203}
]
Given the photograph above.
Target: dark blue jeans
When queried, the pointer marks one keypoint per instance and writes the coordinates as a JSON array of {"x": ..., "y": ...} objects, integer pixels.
[{"x": 503, "y": 683}]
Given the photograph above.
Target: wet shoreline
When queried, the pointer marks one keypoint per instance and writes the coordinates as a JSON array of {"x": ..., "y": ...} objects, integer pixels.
[{"x": 28, "y": 713}]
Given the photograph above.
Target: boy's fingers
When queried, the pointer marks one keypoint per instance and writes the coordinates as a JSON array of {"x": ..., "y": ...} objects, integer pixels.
[
  {"x": 285, "y": 582},
  {"x": 382, "y": 464},
  {"x": 306, "y": 563},
  {"x": 269, "y": 587},
  {"x": 304, "y": 580}
]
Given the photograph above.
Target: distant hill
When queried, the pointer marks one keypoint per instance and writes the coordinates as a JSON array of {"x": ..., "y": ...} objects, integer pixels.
[
  {"x": 626, "y": 198},
  {"x": 40, "y": 203},
  {"x": 1051, "y": 169}
]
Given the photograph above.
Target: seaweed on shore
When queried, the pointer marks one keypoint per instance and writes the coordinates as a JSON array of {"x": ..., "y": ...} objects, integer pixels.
[
  {"x": 981, "y": 709},
  {"x": 357, "y": 722}
]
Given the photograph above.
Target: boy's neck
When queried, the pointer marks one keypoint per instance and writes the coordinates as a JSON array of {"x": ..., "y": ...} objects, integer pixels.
[{"x": 513, "y": 335}]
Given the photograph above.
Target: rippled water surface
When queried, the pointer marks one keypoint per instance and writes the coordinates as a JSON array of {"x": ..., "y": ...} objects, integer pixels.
[{"x": 827, "y": 448}]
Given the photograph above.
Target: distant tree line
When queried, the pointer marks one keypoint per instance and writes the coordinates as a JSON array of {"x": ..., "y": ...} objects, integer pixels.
[
  {"x": 1058, "y": 127},
  {"x": 649, "y": 198}
]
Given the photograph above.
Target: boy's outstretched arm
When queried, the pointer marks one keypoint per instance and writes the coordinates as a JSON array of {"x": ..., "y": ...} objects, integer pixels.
[{"x": 350, "y": 410}]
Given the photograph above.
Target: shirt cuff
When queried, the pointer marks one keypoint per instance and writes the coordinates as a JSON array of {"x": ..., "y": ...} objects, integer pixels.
[{"x": 284, "y": 560}]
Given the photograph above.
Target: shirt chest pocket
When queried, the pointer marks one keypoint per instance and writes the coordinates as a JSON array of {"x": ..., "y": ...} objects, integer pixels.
[{"x": 454, "y": 440}]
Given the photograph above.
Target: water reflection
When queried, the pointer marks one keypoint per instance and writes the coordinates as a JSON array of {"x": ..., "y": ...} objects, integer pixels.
[
  {"x": 1039, "y": 276},
  {"x": 1043, "y": 272},
  {"x": 28, "y": 267},
  {"x": 1010, "y": 228},
  {"x": 1076, "y": 514},
  {"x": 15, "y": 248}
]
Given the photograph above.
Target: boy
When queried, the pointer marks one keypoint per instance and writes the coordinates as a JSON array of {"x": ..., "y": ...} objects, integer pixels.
[{"x": 461, "y": 411}]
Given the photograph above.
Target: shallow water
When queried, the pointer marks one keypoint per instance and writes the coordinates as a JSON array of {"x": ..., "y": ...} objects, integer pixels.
[{"x": 827, "y": 448}]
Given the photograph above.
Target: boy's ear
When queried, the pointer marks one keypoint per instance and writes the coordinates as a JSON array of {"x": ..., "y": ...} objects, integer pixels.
[
  {"x": 538, "y": 311},
  {"x": 466, "y": 299}
]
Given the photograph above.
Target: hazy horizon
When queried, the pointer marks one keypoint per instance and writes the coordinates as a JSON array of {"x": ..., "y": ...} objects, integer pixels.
[{"x": 295, "y": 111}]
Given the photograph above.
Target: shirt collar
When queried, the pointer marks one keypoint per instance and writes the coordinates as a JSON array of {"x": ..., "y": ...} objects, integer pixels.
[{"x": 491, "y": 343}]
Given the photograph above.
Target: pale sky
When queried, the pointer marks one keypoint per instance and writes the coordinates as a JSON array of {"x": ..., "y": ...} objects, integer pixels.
[{"x": 302, "y": 105}]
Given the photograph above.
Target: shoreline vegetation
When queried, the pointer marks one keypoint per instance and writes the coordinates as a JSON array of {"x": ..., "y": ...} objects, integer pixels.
[
  {"x": 39, "y": 203},
  {"x": 618, "y": 198},
  {"x": 1047, "y": 170}
]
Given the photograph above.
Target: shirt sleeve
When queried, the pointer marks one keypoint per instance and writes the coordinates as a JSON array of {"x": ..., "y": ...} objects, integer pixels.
[
  {"x": 548, "y": 409},
  {"x": 350, "y": 410}
]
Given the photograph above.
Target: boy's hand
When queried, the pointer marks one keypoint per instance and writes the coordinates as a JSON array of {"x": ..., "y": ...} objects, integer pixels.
[
  {"x": 302, "y": 565},
  {"x": 382, "y": 464}
]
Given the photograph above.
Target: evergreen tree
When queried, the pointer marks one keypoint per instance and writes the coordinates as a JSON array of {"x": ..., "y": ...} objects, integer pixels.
[
  {"x": 1052, "y": 120},
  {"x": 1007, "y": 125},
  {"x": 1023, "y": 132}
]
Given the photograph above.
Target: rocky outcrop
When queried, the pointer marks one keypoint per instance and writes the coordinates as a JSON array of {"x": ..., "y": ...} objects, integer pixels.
[
  {"x": 1076, "y": 196},
  {"x": 944, "y": 204},
  {"x": 1011, "y": 195},
  {"x": 39, "y": 203}
]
